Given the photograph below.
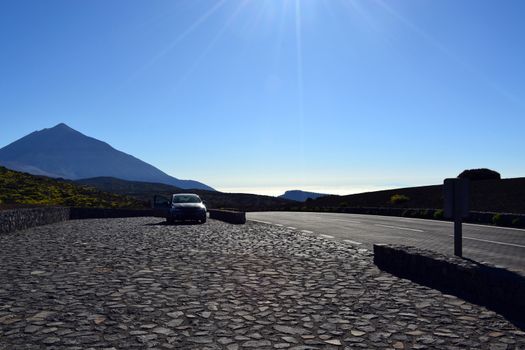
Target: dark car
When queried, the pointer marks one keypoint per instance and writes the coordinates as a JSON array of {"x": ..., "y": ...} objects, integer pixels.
[{"x": 186, "y": 206}]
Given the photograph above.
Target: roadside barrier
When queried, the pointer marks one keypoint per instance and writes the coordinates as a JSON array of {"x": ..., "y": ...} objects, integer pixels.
[
  {"x": 231, "y": 216},
  {"x": 102, "y": 213},
  {"x": 23, "y": 218},
  {"x": 496, "y": 288},
  {"x": 474, "y": 217}
]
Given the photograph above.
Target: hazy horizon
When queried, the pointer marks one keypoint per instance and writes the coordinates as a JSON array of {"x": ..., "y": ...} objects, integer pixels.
[
  {"x": 277, "y": 191},
  {"x": 340, "y": 96}
]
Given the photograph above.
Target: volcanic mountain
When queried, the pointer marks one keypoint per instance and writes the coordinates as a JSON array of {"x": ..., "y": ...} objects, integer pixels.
[{"x": 63, "y": 152}]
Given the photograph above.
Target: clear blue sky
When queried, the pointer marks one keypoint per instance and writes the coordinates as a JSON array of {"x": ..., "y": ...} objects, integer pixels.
[{"x": 261, "y": 96}]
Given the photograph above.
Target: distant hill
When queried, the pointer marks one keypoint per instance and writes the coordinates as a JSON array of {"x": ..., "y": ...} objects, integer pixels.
[
  {"x": 144, "y": 191},
  {"x": 301, "y": 196},
  {"x": 21, "y": 189},
  {"x": 62, "y": 152},
  {"x": 505, "y": 196}
]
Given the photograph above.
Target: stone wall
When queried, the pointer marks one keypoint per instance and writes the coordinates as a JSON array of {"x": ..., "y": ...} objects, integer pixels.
[
  {"x": 475, "y": 217},
  {"x": 496, "y": 288},
  {"x": 20, "y": 219},
  {"x": 387, "y": 211},
  {"x": 101, "y": 213},
  {"x": 23, "y": 218}
]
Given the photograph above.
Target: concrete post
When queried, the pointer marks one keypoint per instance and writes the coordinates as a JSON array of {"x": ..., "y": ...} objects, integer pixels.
[{"x": 458, "y": 236}]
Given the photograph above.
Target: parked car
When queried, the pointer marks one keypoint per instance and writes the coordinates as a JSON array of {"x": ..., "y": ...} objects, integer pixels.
[{"x": 182, "y": 207}]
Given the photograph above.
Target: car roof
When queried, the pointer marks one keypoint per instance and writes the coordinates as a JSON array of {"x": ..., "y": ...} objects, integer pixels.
[{"x": 186, "y": 194}]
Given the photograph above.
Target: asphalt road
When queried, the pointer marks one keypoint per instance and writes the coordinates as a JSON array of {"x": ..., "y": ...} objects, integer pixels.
[{"x": 496, "y": 245}]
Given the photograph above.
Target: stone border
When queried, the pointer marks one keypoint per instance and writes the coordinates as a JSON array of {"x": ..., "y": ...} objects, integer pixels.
[
  {"x": 475, "y": 217},
  {"x": 21, "y": 219},
  {"x": 103, "y": 213},
  {"x": 496, "y": 288},
  {"x": 231, "y": 216}
]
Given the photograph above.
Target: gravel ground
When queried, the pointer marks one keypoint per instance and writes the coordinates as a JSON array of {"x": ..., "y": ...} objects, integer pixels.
[{"x": 137, "y": 283}]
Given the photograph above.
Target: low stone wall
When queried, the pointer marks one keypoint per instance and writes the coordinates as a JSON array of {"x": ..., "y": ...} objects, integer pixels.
[
  {"x": 101, "y": 213},
  {"x": 423, "y": 213},
  {"x": 475, "y": 217},
  {"x": 20, "y": 219},
  {"x": 23, "y": 218},
  {"x": 413, "y": 212},
  {"x": 496, "y": 288},
  {"x": 233, "y": 217},
  {"x": 499, "y": 219}
]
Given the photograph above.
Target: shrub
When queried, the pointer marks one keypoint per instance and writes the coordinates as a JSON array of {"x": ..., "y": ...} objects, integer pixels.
[
  {"x": 25, "y": 189},
  {"x": 439, "y": 214},
  {"x": 343, "y": 204},
  {"x": 399, "y": 198},
  {"x": 516, "y": 222},
  {"x": 423, "y": 213},
  {"x": 497, "y": 219},
  {"x": 480, "y": 174}
]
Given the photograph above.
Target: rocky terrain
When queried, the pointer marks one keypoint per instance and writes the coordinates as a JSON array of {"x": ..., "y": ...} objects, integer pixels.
[{"x": 137, "y": 283}]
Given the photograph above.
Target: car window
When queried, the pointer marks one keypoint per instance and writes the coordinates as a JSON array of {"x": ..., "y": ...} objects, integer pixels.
[{"x": 186, "y": 199}]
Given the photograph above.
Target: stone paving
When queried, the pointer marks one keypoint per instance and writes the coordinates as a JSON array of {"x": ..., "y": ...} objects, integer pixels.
[{"x": 135, "y": 284}]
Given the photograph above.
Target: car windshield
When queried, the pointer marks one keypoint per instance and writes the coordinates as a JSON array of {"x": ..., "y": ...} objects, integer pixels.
[{"x": 186, "y": 198}]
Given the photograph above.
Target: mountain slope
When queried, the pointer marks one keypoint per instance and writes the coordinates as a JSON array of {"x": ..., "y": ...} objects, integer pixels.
[
  {"x": 301, "y": 196},
  {"x": 145, "y": 191},
  {"x": 64, "y": 152},
  {"x": 18, "y": 188},
  {"x": 136, "y": 189}
]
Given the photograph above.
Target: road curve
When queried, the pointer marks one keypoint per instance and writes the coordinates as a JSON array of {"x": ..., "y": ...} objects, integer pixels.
[{"x": 496, "y": 245}]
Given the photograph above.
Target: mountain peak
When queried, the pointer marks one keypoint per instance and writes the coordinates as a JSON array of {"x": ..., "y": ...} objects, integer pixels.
[
  {"x": 61, "y": 151},
  {"x": 61, "y": 126}
]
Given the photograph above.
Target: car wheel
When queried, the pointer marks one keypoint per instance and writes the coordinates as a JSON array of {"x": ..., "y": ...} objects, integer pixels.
[{"x": 203, "y": 221}]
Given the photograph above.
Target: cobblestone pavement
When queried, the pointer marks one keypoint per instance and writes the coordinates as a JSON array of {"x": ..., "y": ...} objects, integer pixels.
[{"x": 132, "y": 283}]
